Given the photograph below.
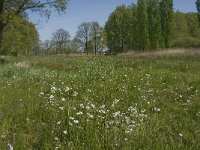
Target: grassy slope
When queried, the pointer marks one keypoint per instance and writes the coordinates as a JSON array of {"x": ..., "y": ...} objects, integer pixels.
[{"x": 100, "y": 103}]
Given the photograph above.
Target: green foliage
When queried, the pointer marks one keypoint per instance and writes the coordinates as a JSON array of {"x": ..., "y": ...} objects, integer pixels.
[
  {"x": 180, "y": 25},
  {"x": 118, "y": 29},
  {"x": 198, "y": 6},
  {"x": 192, "y": 23},
  {"x": 19, "y": 37},
  {"x": 154, "y": 20},
  {"x": 186, "y": 30},
  {"x": 84, "y": 35},
  {"x": 97, "y": 37},
  {"x": 188, "y": 42},
  {"x": 60, "y": 40},
  {"x": 100, "y": 103},
  {"x": 142, "y": 26},
  {"x": 167, "y": 21},
  {"x": 10, "y": 10},
  {"x": 151, "y": 25},
  {"x": 133, "y": 29}
]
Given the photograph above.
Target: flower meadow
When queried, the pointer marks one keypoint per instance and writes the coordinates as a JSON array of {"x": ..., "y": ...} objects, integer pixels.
[{"x": 100, "y": 103}]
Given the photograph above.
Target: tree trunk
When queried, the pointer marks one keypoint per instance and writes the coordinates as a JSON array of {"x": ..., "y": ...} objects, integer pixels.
[
  {"x": 2, "y": 25},
  {"x": 86, "y": 46},
  {"x": 95, "y": 47},
  {"x": 1, "y": 36}
]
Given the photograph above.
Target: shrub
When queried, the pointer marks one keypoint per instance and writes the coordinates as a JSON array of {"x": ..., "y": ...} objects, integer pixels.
[{"x": 187, "y": 42}]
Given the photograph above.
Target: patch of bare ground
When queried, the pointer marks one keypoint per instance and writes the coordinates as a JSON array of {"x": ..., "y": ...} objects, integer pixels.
[{"x": 167, "y": 52}]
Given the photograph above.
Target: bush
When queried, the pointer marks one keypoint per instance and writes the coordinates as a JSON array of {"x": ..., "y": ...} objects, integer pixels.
[{"x": 186, "y": 42}]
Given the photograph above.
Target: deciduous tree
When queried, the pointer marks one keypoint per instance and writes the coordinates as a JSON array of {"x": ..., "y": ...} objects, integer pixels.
[
  {"x": 167, "y": 21},
  {"x": 118, "y": 29},
  {"x": 142, "y": 26},
  {"x": 84, "y": 34},
  {"x": 154, "y": 25},
  {"x": 96, "y": 35},
  {"x": 11, "y": 8}
]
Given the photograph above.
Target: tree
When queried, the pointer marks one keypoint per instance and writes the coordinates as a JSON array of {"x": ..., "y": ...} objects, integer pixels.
[
  {"x": 154, "y": 21},
  {"x": 96, "y": 35},
  {"x": 84, "y": 34},
  {"x": 76, "y": 45},
  {"x": 167, "y": 21},
  {"x": 9, "y": 9},
  {"x": 19, "y": 39},
  {"x": 47, "y": 46},
  {"x": 198, "y": 6},
  {"x": 180, "y": 25},
  {"x": 198, "y": 9},
  {"x": 60, "y": 39},
  {"x": 142, "y": 26},
  {"x": 133, "y": 29},
  {"x": 118, "y": 29},
  {"x": 186, "y": 30},
  {"x": 192, "y": 23}
]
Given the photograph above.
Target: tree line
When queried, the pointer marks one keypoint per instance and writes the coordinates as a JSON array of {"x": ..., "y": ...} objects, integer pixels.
[
  {"x": 17, "y": 34},
  {"x": 151, "y": 25},
  {"x": 148, "y": 25},
  {"x": 89, "y": 39}
]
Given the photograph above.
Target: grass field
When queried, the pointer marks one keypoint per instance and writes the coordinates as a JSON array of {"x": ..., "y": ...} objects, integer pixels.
[{"x": 100, "y": 103}]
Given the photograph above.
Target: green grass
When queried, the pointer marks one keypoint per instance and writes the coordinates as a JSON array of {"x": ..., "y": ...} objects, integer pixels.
[{"x": 97, "y": 103}]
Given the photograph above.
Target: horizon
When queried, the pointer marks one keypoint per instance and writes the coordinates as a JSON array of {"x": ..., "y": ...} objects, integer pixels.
[{"x": 79, "y": 11}]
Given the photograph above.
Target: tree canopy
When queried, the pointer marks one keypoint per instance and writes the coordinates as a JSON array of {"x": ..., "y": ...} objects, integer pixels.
[
  {"x": 198, "y": 6},
  {"x": 11, "y": 9},
  {"x": 60, "y": 39},
  {"x": 20, "y": 38}
]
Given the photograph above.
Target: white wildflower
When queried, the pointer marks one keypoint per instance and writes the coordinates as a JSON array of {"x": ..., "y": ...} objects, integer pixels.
[
  {"x": 115, "y": 102},
  {"x": 75, "y": 94},
  {"x": 56, "y": 138},
  {"x": 51, "y": 97},
  {"x": 61, "y": 108},
  {"x": 71, "y": 118},
  {"x": 102, "y": 111},
  {"x": 82, "y": 106},
  {"x": 128, "y": 120},
  {"x": 88, "y": 107},
  {"x": 79, "y": 113},
  {"x": 88, "y": 90},
  {"x": 116, "y": 114},
  {"x": 65, "y": 132},
  {"x": 67, "y": 89},
  {"x": 103, "y": 106},
  {"x": 157, "y": 109},
  {"x": 92, "y": 105},
  {"x": 63, "y": 99},
  {"x": 90, "y": 115},
  {"x": 41, "y": 93},
  {"x": 76, "y": 121},
  {"x": 10, "y": 146}
]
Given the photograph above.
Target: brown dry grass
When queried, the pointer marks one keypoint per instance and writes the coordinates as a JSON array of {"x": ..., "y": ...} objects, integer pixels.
[{"x": 167, "y": 52}]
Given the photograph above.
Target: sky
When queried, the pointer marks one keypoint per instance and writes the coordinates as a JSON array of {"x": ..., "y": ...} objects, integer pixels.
[{"x": 79, "y": 11}]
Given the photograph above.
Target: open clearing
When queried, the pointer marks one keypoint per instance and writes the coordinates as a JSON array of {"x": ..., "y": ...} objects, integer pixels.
[{"x": 103, "y": 102}]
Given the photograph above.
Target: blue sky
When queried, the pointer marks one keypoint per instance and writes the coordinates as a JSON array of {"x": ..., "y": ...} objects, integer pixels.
[{"x": 90, "y": 10}]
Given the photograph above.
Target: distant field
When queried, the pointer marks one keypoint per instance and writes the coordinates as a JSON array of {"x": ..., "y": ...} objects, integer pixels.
[{"x": 100, "y": 103}]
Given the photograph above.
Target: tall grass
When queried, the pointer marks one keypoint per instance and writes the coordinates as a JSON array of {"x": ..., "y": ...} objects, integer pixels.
[{"x": 117, "y": 102}]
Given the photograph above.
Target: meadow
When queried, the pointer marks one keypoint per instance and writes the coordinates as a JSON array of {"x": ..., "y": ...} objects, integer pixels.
[{"x": 100, "y": 103}]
